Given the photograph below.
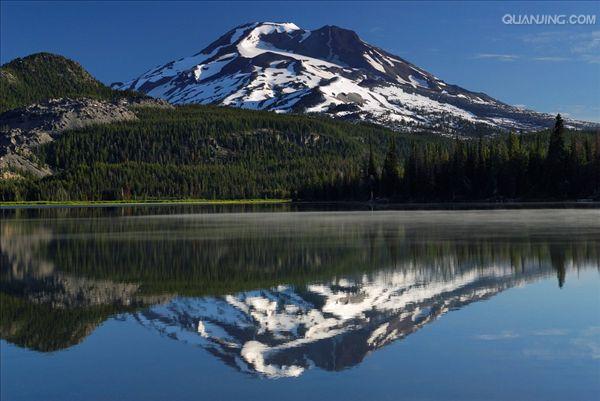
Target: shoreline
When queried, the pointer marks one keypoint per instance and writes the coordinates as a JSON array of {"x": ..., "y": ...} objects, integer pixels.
[
  {"x": 350, "y": 205},
  {"x": 155, "y": 202}
]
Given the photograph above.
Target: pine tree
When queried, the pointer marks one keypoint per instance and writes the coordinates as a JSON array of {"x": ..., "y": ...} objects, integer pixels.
[
  {"x": 556, "y": 161},
  {"x": 556, "y": 146},
  {"x": 372, "y": 176},
  {"x": 410, "y": 177},
  {"x": 575, "y": 171},
  {"x": 390, "y": 176},
  {"x": 515, "y": 170}
]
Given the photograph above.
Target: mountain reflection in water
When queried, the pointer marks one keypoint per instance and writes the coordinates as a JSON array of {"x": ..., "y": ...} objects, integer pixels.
[{"x": 275, "y": 294}]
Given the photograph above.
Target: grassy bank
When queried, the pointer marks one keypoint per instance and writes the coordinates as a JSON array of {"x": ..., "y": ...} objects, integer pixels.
[{"x": 137, "y": 202}]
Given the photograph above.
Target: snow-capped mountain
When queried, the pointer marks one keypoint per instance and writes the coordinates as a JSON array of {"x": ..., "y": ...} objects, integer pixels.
[
  {"x": 283, "y": 331},
  {"x": 283, "y": 68}
]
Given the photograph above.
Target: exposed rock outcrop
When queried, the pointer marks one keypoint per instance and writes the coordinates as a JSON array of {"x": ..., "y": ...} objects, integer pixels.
[{"x": 23, "y": 129}]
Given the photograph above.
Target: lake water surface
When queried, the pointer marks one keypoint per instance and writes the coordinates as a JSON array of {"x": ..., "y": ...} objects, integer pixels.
[{"x": 271, "y": 303}]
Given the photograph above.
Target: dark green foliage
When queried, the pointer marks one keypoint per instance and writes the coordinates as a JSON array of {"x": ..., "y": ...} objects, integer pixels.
[
  {"x": 537, "y": 166},
  {"x": 556, "y": 160},
  {"x": 222, "y": 153},
  {"x": 372, "y": 176},
  {"x": 204, "y": 152},
  {"x": 556, "y": 147},
  {"x": 42, "y": 76},
  {"x": 390, "y": 175}
]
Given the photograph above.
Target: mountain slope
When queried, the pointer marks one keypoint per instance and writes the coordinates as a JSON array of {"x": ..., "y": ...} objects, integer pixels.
[
  {"x": 281, "y": 67},
  {"x": 43, "y": 76}
]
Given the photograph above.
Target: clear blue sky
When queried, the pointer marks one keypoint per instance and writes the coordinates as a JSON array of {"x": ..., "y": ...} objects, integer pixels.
[{"x": 551, "y": 68}]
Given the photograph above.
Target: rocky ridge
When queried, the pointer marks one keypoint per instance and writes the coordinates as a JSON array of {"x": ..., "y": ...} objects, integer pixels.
[{"x": 24, "y": 129}]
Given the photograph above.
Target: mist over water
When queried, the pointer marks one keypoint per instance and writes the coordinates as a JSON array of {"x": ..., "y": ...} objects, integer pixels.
[{"x": 311, "y": 300}]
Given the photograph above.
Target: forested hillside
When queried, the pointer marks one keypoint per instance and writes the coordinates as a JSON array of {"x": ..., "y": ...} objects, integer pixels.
[
  {"x": 552, "y": 165},
  {"x": 222, "y": 153},
  {"x": 204, "y": 152}
]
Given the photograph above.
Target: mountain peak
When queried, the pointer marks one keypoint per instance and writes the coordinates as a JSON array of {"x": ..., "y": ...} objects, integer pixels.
[
  {"x": 42, "y": 76},
  {"x": 337, "y": 29},
  {"x": 288, "y": 26}
]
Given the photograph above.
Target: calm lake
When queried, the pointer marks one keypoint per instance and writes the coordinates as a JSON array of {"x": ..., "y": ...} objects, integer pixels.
[{"x": 272, "y": 302}]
